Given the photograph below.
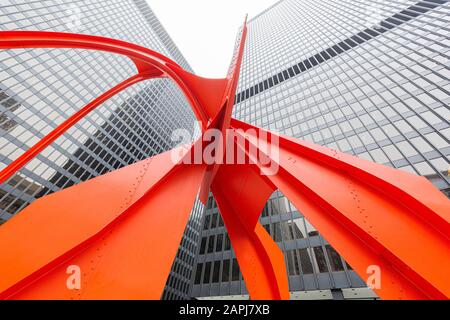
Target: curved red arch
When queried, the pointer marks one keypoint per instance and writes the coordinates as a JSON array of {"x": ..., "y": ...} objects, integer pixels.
[
  {"x": 201, "y": 93},
  {"x": 379, "y": 216},
  {"x": 145, "y": 59}
]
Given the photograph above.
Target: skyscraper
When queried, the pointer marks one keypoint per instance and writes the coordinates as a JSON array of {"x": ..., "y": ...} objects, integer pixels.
[
  {"x": 364, "y": 77},
  {"x": 40, "y": 88}
]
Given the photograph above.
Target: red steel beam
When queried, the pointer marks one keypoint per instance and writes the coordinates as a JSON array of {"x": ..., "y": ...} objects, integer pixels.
[
  {"x": 122, "y": 229},
  {"x": 203, "y": 94},
  {"x": 222, "y": 118},
  {"x": 372, "y": 214},
  {"x": 145, "y": 59},
  {"x": 241, "y": 193}
]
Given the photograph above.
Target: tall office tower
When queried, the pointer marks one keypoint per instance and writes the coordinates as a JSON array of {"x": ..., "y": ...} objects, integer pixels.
[
  {"x": 366, "y": 77},
  {"x": 39, "y": 88}
]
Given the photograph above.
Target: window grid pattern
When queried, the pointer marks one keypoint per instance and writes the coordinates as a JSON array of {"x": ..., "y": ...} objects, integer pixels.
[{"x": 385, "y": 100}]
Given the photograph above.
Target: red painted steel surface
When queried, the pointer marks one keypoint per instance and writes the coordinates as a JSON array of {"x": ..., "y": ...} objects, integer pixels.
[
  {"x": 241, "y": 193},
  {"x": 123, "y": 229},
  {"x": 371, "y": 214}
]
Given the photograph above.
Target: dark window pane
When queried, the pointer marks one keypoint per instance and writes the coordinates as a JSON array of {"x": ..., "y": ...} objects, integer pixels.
[
  {"x": 305, "y": 261},
  {"x": 220, "y": 221},
  {"x": 213, "y": 220},
  {"x": 198, "y": 273},
  {"x": 277, "y": 232},
  {"x": 293, "y": 266},
  {"x": 302, "y": 66},
  {"x": 207, "y": 272},
  {"x": 211, "y": 244},
  {"x": 291, "y": 72},
  {"x": 219, "y": 242},
  {"x": 226, "y": 271},
  {"x": 291, "y": 230},
  {"x": 209, "y": 205},
  {"x": 227, "y": 242},
  {"x": 206, "y": 224},
  {"x": 307, "y": 64},
  {"x": 335, "y": 259},
  {"x": 203, "y": 246},
  {"x": 235, "y": 275},
  {"x": 216, "y": 272},
  {"x": 320, "y": 258},
  {"x": 275, "y": 80}
]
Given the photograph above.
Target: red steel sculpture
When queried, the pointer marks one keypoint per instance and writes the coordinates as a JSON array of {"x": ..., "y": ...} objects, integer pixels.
[{"x": 123, "y": 229}]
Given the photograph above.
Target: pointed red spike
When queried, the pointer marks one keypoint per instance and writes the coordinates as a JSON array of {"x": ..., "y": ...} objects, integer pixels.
[{"x": 240, "y": 203}]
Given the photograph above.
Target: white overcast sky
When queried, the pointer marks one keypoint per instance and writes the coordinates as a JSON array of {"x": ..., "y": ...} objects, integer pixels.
[{"x": 205, "y": 30}]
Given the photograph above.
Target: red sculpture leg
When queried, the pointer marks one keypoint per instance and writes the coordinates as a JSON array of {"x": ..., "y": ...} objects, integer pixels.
[
  {"x": 372, "y": 214},
  {"x": 122, "y": 230},
  {"x": 241, "y": 193}
]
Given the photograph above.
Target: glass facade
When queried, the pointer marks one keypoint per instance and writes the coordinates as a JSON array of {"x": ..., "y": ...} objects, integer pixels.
[
  {"x": 40, "y": 88},
  {"x": 366, "y": 77}
]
